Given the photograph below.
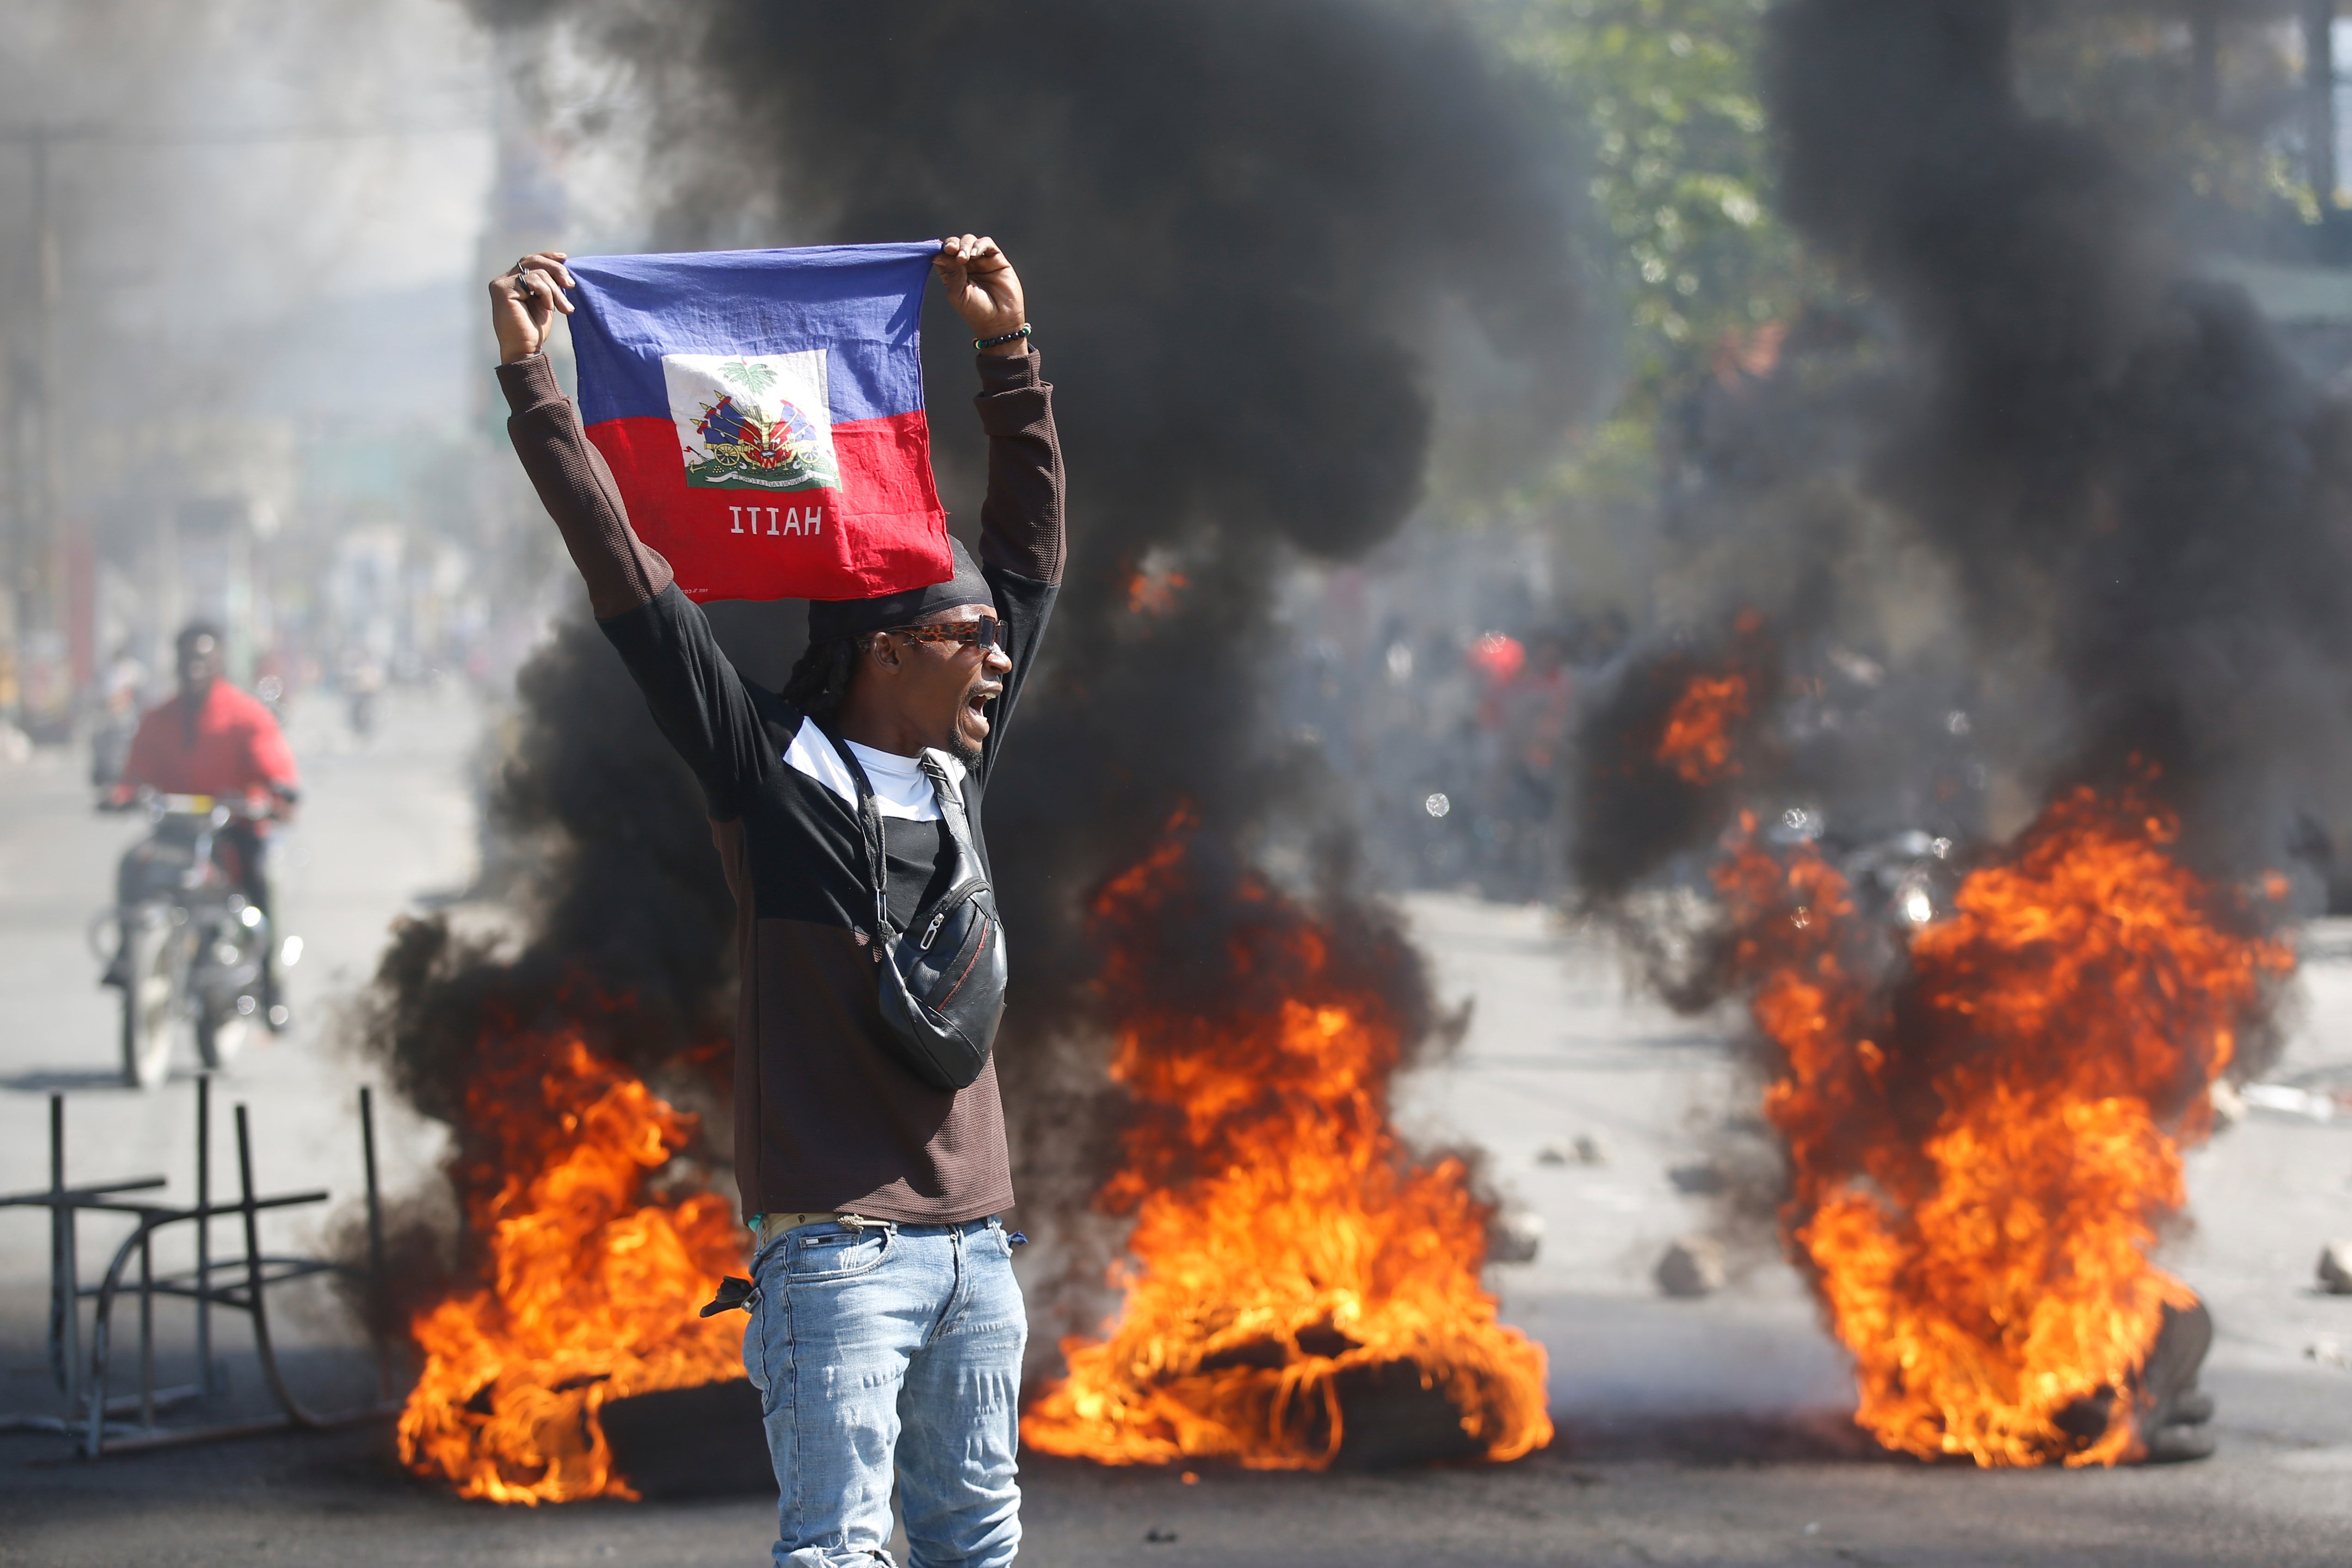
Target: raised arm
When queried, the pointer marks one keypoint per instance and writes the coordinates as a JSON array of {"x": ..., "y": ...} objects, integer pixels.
[
  {"x": 698, "y": 699},
  {"x": 1021, "y": 520},
  {"x": 621, "y": 571}
]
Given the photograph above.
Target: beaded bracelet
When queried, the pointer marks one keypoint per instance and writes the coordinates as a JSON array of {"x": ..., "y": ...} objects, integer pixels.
[{"x": 1020, "y": 331}]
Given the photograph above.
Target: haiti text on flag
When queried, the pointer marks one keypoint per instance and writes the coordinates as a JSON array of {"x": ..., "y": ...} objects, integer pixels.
[{"x": 763, "y": 412}]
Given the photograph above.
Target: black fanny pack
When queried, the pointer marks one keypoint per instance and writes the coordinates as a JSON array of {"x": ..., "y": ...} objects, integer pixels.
[{"x": 942, "y": 980}]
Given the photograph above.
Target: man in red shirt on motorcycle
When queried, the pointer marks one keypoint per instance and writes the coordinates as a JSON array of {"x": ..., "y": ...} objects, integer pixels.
[{"x": 213, "y": 739}]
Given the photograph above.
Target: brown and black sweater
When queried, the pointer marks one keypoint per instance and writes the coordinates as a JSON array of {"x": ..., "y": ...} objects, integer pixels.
[{"x": 824, "y": 1118}]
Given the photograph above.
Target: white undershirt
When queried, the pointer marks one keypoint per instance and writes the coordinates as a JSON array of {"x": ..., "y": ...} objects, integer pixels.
[{"x": 901, "y": 788}]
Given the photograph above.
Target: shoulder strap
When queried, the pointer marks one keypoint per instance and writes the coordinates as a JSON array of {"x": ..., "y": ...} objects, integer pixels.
[
  {"x": 950, "y": 800},
  {"x": 869, "y": 822},
  {"x": 869, "y": 826}
]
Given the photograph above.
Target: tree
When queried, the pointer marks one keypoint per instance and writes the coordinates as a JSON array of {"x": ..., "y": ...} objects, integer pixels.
[{"x": 1676, "y": 139}]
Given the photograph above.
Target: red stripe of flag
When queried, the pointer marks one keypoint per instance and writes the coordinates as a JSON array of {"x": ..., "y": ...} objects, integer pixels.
[{"x": 749, "y": 544}]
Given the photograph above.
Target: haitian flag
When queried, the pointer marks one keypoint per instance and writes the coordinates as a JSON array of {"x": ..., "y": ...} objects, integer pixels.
[{"x": 762, "y": 412}]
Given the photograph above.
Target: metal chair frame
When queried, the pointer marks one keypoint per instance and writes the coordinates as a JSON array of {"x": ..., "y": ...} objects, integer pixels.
[{"x": 211, "y": 1283}]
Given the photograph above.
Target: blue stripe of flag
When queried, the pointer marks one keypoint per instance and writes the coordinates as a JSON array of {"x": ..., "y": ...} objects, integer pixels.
[{"x": 859, "y": 303}]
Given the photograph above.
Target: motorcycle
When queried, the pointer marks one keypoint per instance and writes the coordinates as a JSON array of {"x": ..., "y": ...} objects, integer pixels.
[{"x": 192, "y": 948}]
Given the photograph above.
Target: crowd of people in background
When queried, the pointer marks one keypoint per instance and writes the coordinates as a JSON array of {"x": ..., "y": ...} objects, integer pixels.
[{"x": 1455, "y": 732}]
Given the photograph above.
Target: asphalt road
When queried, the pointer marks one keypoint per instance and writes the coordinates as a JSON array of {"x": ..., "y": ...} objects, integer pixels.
[{"x": 1704, "y": 1432}]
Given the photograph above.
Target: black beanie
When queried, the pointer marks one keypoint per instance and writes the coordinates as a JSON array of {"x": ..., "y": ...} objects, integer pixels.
[{"x": 831, "y": 618}]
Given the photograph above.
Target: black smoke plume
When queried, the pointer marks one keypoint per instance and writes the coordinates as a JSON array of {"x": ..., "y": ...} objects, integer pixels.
[
  {"x": 2126, "y": 471},
  {"x": 1250, "y": 231},
  {"x": 622, "y": 896},
  {"x": 2110, "y": 508}
]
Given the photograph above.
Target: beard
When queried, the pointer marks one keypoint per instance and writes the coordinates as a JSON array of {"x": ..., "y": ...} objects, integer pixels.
[{"x": 961, "y": 749}]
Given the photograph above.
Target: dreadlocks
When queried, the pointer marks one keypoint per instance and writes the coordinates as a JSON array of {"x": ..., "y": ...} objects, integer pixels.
[{"x": 820, "y": 680}]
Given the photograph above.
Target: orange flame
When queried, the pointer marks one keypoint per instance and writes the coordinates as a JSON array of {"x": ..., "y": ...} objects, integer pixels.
[
  {"x": 594, "y": 1283},
  {"x": 1153, "y": 590},
  {"x": 1698, "y": 742},
  {"x": 1283, "y": 1234},
  {"x": 1980, "y": 1166}
]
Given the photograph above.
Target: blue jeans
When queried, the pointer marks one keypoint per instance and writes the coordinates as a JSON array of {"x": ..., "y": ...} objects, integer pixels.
[{"x": 891, "y": 1342}]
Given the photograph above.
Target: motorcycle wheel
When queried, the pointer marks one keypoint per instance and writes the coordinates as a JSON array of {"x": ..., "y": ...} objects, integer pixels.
[
  {"x": 218, "y": 1040},
  {"x": 151, "y": 1001}
]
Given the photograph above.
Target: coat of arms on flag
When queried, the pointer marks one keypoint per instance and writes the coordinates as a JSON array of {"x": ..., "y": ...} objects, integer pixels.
[
  {"x": 789, "y": 378},
  {"x": 757, "y": 422}
]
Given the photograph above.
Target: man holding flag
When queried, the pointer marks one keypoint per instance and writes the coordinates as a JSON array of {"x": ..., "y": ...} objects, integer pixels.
[{"x": 751, "y": 424}]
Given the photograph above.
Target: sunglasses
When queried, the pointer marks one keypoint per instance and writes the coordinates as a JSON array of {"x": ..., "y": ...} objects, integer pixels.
[{"x": 985, "y": 634}]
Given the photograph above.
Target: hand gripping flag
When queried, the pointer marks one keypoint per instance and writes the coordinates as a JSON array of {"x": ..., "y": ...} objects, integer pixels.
[{"x": 762, "y": 412}]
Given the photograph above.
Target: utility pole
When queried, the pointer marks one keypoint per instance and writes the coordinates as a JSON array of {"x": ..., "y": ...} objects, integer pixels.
[
  {"x": 39, "y": 612},
  {"x": 28, "y": 566}
]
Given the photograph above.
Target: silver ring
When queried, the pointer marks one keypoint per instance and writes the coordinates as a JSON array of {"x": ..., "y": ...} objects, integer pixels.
[{"x": 523, "y": 290}]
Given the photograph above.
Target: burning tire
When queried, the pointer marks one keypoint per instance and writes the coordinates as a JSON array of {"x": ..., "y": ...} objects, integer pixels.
[{"x": 1302, "y": 1287}]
